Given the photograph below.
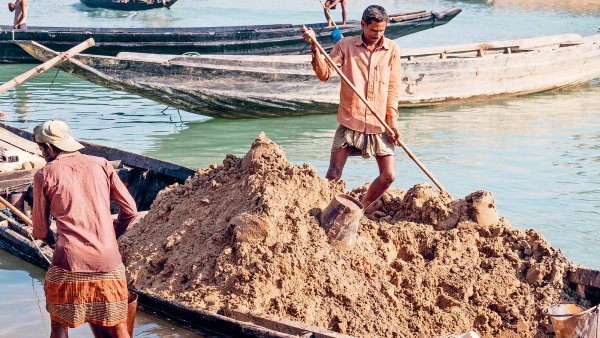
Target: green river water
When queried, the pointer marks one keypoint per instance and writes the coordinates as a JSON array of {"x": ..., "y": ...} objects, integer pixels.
[{"x": 538, "y": 154}]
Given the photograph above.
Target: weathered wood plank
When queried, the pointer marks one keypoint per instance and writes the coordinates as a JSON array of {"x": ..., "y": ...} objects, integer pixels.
[{"x": 584, "y": 276}]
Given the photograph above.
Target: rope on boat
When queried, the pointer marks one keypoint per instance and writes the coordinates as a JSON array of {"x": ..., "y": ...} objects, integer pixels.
[{"x": 43, "y": 97}]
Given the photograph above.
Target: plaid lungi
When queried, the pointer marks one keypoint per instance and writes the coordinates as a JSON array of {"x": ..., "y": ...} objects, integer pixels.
[{"x": 74, "y": 298}]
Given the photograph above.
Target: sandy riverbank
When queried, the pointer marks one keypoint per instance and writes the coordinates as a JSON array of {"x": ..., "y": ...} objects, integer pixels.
[{"x": 244, "y": 235}]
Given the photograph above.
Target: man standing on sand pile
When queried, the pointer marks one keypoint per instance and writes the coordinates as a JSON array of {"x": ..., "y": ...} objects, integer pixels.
[
  {"x": 86, "y": 281},
  {"x": 20, "y": 9},
  {"x": 372, "y": 63}
]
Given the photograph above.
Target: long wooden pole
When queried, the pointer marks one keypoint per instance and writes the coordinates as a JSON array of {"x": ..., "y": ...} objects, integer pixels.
[
  {"x": 385, "y": 125},
  {"x": 47, "y": 65}
]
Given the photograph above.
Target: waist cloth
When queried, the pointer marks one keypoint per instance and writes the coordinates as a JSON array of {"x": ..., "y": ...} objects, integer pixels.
[
  {"x": 74, "y": 298},
  {"x": 363, "y": 144}
]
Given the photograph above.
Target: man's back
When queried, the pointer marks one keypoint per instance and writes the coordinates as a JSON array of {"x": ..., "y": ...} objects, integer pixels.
[{"x": 76, "y": 190}]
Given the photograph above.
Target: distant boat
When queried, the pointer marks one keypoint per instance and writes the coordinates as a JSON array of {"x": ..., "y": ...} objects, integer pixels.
[
  {"x": 259, "y": 39},
  {"x": 129, "y": 5},
  {"x": 244, "y": 86}
]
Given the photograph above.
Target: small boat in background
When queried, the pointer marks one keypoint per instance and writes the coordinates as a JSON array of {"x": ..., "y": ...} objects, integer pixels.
[
  {"x": 252, "y": 86},
  {"x": 129, "y": 5},
  {"x": 254, "y": 39}
]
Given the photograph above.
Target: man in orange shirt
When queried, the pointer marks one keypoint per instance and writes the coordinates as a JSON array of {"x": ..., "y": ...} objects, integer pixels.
[
  {"x": 372, "y": 63},
  {"x": 86, "y": 282}
]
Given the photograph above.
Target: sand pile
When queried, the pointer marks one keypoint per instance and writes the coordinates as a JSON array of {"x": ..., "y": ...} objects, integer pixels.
[{"x": 244, "y": 235}]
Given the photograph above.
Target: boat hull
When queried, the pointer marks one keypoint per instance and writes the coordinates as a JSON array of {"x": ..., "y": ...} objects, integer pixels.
[
  {"x": 128, "y": 5},
  {"x": 258, "y": 39},
  {"x": 270, "y": 86}
]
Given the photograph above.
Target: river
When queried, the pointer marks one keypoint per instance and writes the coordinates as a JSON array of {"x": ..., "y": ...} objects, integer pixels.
[{"x": 538, "y": 154}]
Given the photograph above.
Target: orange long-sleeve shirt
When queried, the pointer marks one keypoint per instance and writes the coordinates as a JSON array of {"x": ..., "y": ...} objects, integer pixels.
[
  {"x": 375, "y": 74},
  {"x": 76, "y": 190}
]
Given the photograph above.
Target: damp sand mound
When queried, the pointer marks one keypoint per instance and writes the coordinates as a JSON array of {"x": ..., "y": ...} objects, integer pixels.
[{"x": 244, "y": 235}]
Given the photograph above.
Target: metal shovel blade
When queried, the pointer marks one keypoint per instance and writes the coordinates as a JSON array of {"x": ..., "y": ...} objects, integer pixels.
[{"x": 340, "y": 220}]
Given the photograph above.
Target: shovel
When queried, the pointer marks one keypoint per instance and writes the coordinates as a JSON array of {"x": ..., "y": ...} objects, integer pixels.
[
  {"x": 346, "y": 232},
  {"x": 336, "y": 34}
]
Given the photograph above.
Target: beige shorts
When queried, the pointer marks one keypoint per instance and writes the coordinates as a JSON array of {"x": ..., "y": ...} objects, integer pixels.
[{"x": 366, "y": 145}]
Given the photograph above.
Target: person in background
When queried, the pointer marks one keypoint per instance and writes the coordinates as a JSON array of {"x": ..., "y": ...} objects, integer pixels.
[
  {"x": 372, "y": 63},
  {"x": 330, "y": 4},
  {"x": 86, "y": 281},
  {"x": 20, "y": 9}
]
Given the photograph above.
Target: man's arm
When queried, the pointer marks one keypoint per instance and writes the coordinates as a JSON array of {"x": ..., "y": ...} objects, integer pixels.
[
  {"x": 321, "y": 67},
  {"x": 41, "y": 212},
  {"x": 391, "y": 114},
  {"x": 120, "y": 194}
]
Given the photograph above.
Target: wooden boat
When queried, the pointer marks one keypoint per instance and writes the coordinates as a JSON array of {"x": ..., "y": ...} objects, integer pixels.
[
  {"x": 257, "y": 39},
  {"x": 230, "y": 86},
  {"x": 144, "y": 177},
  {"x": 129, "y": 5}
]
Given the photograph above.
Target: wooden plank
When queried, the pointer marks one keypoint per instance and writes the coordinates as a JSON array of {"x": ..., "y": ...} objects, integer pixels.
[
  {"x": 17, "y": 174},
  {"x": 284, "y": 325},
  {"x": 19, "y": 142},
  {"x": 513, "y": 44},
  {"x": 587, "y": 282},
  {"x": 19, "y": 185},
  {"x": 586, "y": 277}
]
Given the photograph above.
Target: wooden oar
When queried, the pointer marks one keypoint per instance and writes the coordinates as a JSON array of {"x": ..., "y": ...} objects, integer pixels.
[
  {"x": 385, "y": 125},
  {"x": 336, "y": 35},
  {"x": 47, "y": 65}
]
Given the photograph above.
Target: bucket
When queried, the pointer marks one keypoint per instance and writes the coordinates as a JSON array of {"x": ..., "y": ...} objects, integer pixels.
[
  {"x": 571, "y": 321},
  {"x": 131, "y": 308},
  {"x": 340, "y": 220}
]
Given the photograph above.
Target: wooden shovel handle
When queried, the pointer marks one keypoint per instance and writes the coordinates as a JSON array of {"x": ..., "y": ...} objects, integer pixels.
[
  {"x": 46, "y": 65},
  {"x": 385, "y": 125}
]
